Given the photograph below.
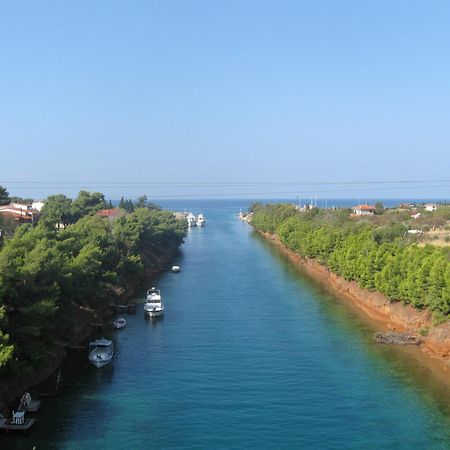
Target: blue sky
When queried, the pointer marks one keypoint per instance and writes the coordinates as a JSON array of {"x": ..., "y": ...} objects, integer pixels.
[{"x": 103, "y": 92}]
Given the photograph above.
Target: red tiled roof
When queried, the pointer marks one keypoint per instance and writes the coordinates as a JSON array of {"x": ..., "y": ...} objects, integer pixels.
[
  {"x": 365, "y": 207},
  {"x": 114, "y": 212}
]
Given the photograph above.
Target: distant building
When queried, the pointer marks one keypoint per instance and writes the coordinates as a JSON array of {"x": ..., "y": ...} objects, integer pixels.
[
  {"x": 111, "y": 214},
  {"x": 37, "y": 205},
  {"x": 364, "y": 210},
  {"x": 19, "y": 213},
  {"x": 430, "y": 207},
  {"x": 416, "y": 215}
]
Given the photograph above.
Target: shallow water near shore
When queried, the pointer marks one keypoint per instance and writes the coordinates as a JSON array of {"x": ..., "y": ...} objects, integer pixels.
[{"x": 250, "y": 353}]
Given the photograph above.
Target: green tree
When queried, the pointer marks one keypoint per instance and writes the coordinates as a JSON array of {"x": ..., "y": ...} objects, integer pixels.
[
  {"x": 4, "y": 196},
  {"x": 57, "y": 211}
]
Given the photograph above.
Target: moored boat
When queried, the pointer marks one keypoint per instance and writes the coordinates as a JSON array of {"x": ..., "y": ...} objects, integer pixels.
[
  {"x": 153, "y": 306},
  {"x": 191, "y": 220},
  {"x": 101, "y": 352},
  {"x": 119, "y": 323},
  {"x": 200, "y": 220},
  {"x": 176, "y": 269}
]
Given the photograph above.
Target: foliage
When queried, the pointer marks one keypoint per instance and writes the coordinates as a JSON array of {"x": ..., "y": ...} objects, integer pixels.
[
  {"x": 378, "y": 258},
  {"x": 4, "y": 196},
  {"x": 60, "y": 211},
  {"x": 47, "y": 274}
]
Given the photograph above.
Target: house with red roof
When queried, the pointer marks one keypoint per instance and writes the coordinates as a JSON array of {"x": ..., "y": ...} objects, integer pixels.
[
  {"x": 364, "y": 210},
  {"x": 111, "y": 214}
]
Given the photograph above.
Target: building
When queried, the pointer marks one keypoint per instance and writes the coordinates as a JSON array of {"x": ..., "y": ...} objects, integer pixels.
[
  {"x": 37, "y": 205},
  {"x": 19, "y": 213},
  {"x": 364, "y": 210},
  {"x": 111, "y": 214},
  {"x": 430, "y": 207}
]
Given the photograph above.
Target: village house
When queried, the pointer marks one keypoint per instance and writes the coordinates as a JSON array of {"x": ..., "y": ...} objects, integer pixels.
[
  {"x": 111, "y": 214},
  {"x": 364, "y": 210},
  {"x": 430, "y": 207},
  {"x": 20, "y": 213}
]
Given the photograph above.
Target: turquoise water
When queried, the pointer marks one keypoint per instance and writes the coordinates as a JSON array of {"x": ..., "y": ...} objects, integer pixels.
[{"x": 249, "y": 354}]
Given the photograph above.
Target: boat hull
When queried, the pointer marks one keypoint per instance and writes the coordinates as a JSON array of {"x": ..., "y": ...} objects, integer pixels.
[
  {"x": 118, "y": 324},
  {"x": 100, "y": 358},
  {"x": 154, "y": 313}
]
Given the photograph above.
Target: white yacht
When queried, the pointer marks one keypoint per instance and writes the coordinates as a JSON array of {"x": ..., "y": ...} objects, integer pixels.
[
  {"x": 191, "y": 219},
  {"x": 153, "y": 306},
  {"x": 200, "y": 220},
  {"x": 176, "y": 269},
  {"x": 101, "y": 352}
]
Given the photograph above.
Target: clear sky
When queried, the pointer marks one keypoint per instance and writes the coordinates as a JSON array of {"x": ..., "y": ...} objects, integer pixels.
[{"x": 241, "y": 91}]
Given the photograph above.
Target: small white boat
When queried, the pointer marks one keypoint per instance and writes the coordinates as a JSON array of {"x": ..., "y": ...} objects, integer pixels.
[
  {"x": 153, "y": 306},
  {"x": 200, "y": 220},
  {"x": 119, "y": 323},
  {"x": 176, "y": 269},
  {"x": 101, "y": 352}
]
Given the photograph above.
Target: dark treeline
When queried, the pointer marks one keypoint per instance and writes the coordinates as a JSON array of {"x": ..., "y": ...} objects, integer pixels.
[
  {"x": 383, "y": 258},
  {"x": 72, "y": 260}
]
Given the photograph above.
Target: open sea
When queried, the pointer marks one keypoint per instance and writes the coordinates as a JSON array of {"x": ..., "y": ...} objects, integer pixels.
[{"x": 250, "y": 354}]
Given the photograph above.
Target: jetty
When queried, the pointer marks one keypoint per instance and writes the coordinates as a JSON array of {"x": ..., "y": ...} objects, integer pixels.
[{"x": 12, "y": 425}]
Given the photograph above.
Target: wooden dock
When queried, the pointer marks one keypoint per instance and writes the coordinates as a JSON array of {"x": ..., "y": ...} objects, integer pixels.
[
  {"x": 8, "y": 425},
  {"x": 32, "y": 407}
]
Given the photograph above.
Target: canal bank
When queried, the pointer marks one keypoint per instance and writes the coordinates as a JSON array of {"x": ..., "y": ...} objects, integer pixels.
[
  {"x": 381, "y": 313},
  {"x": 250, "y": 354}
]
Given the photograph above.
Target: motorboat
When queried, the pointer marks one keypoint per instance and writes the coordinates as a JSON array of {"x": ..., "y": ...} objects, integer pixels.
[
  {"x": 176, "y": 269},
  {"x": 191, "y": 220},
  {"x": 200, "y": 220},
  {"x": 101, "y": 352},
  {"x": 119, "y": 323},
  {"x": 153, "y": 306}
]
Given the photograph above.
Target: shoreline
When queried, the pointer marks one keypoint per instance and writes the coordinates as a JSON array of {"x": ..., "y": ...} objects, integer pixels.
[
  {"x": 380, "y": 313},
  {"x": 11, "y": 390}
]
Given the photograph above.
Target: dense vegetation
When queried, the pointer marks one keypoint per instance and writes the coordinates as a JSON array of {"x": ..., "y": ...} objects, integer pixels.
[
  {"x": 383, "y": 258},
  {"x": 48, "y": 272}
]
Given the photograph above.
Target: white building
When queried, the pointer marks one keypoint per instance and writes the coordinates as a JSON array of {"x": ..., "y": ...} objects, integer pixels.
[
  {"x": 364, "y": 210},
  {"x": 37, "y": 205}
]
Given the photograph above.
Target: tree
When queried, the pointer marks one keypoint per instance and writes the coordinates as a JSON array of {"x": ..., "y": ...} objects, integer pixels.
[
  {"x": 379, "y": 208},
  {"x": 6, "y": 350},
  {"x": 57, "y": 210},
  {"x": 4, "y": 196},
  {"x": 86, "y": 204},
  {"x": 142, "y": 202}
]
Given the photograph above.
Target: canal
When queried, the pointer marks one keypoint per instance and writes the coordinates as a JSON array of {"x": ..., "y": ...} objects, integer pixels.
[{"x": 249, "y": 354}]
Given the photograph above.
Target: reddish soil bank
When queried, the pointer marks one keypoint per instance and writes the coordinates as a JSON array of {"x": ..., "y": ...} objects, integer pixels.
[{"x": 392, "y": 315}]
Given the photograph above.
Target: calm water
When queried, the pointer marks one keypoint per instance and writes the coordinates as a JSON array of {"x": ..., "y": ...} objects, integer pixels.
[{"x": 250, "y": 354}]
